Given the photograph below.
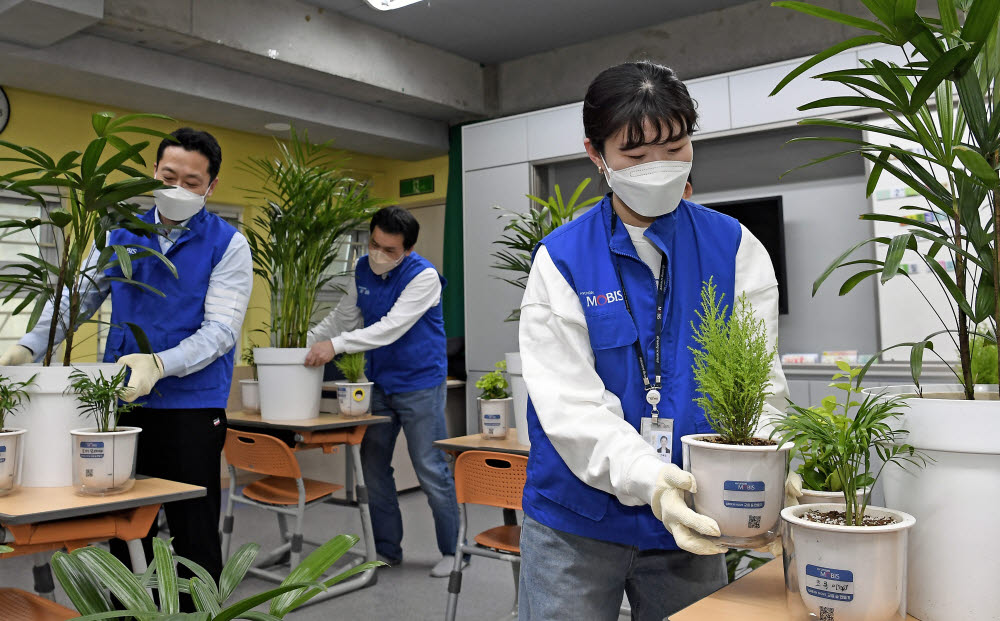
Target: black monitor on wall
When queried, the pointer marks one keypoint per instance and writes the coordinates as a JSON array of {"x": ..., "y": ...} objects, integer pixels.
[{"x": 763, "y": 217}]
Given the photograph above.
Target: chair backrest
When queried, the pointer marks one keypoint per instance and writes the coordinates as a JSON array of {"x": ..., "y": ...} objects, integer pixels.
[
  {"x": 260, "y": 453},
  {"x": 488, "y": 478}
]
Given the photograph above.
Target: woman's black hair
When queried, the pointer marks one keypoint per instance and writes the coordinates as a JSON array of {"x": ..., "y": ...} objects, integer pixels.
[
  {"x": 396, "y": 221},
  {"x": 198, "y": 141},
  {"x": 632, "y": 94}
]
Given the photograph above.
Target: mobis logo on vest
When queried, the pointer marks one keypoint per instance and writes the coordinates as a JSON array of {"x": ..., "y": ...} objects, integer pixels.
[
  {"x": 591, "y": 299},
  {"x": 362, "y": 290}
]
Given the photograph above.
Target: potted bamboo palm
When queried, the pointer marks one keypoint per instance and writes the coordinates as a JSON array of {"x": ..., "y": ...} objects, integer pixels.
[
  {"x": 521, "y": 236},
  {"x": 740, "y": 473},
  {"x": 941, "y": 142},
  {"x": 354, "y": 394},
  {"x": 81, "y": 196},
  {"x": 250, "y": 388},
  {"x": 310, "y": 203},
  {"x": 495, "y": 403},
  {"x": 13, "y": 396}
]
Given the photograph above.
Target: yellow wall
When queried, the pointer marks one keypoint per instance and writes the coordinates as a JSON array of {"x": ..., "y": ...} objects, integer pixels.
[{"x": 57, "y": 125}]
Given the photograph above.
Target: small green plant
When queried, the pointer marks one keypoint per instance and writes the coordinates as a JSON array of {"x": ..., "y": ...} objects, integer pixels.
[
  {"x": 12, "y": 397},
  {"x": 494, "y": 384},
  {"x": 248, "y": 359},
  {"x": 847, "y": 448},
  {"x": 100, "y": 397},
  {"x": 5, "y": 549},
  {"x": 352, "y": 366},
  {"x": 984, "y": 360},
  {"x": 734, "y": 558},
  {"x": 87, "y": 574},
  {"x": 732, "y": 366}
]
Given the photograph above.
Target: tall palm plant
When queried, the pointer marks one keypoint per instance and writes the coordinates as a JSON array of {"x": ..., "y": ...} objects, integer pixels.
[
  {"x": 311, "y": 203},
  {"x": 953, "y": 169}
]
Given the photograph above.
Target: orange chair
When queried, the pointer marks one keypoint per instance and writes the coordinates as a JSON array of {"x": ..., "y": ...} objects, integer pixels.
[
  {"x": 18, "y": 605},
  {"x": 495, "y": 480},
  {"x": 283, "y": 491}
]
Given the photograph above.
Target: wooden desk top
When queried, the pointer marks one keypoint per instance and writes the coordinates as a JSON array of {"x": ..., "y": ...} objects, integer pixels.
[
  {"x": 28, "y": 505},
  {"x": 476, "y": 442},
  {"x": 758, "y": 596},
  {"x": 242, "y": 418}
]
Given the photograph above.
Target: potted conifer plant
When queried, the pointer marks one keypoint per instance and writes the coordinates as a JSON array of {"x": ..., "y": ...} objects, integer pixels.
[
  {"x": 354, "y": 394},
  {"x": 847, "y": 560},
  {"x": 495, "y": 403},
  {"x": 310, "y": 203},
  {"x": 103, "y": 455},
  {"x": 941, "y": 141},
  {"x": 13, "y": 395},
  {"x": 250, "y": 388},
  {"x": 740, "y": 474},
  {"x": 80, "y": 197},
  {"x": 522, "y": 234}
]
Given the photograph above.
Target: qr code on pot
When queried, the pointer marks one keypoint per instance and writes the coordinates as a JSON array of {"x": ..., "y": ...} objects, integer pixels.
[
  {"x": 826, "y": 614},
  {"x": 753, "y": 521},
  {"x": 89, "y": 473}
]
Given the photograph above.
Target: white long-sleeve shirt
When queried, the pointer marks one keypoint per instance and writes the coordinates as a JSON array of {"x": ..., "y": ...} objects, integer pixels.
[
  {"x": 583, "y": 420},
  {"x": 345, "y": 324}
]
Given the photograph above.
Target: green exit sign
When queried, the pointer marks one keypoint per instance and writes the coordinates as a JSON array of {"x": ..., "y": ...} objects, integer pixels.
[{"x": 416, "y": 185}]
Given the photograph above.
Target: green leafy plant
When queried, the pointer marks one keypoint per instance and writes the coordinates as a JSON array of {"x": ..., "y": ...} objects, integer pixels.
[
  {"x": 847, "y": 449},
  {"x": 494, "y": 384},
  {"x": 352, "y": 366},
  {"x": 88, "y": 574},
  {"x": 93, "y": 188},
  {"x": 984, "y": 360},
  {"x": 735, "y": 558},
  {"x": 525, "y": 230},
  {"x": 5, "y": 549},
  {"x": 310, "y": 203},
  {"x": 249, "y": 360},
  {"x": 732, "y": 366},
  {"x": 12, "y": 396},
  {"x": 951, "y": 167},
  {"x": 100, "y": 397}
]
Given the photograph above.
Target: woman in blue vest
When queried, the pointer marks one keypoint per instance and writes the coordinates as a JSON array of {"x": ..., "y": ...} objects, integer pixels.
[{"x": 604, "y": 337}]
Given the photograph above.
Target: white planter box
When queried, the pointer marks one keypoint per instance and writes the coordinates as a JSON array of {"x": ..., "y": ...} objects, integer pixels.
[
  {"x": 11, "y": 441},
  {"x": 520, "y": 393},
  {"x": 740, "y": 487},
  {"x": 494, "y": 417},
  {"x": 104, "y": 461},
  {"x": 289, "y": 390},
  {"x": 811, "y": 497},
  {"x": 354, "y": 399},
  {"x": 845, "y": 573}
]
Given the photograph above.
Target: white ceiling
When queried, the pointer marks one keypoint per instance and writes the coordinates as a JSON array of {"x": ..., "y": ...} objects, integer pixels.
[{"x": 494, "y": 31}]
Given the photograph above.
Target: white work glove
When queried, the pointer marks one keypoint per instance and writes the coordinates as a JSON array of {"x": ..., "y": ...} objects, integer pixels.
[
  {"x": 793, "y": 491},
  {"x": 688, "y": 528},
  {"x": 16, "y": 355},
  {"x": 147, "y": 369}
]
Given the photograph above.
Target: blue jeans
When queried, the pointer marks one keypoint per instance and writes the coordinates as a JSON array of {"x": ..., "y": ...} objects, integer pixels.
[
  {"x": 566, "y": 576},
  {"x": 421, "y": 415}
]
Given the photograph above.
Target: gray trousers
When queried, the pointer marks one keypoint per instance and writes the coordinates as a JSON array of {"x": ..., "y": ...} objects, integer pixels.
[{"x": 569, "y": 577}]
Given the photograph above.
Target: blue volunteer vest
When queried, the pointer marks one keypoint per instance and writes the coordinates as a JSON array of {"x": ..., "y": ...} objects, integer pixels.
[
  {"x": 418, "y": 359},
  {"x": 171, "y": 318},
  {"x": 698, "y": 243}
]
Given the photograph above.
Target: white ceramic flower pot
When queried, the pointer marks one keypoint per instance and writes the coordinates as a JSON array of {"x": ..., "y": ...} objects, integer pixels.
[
  {"x": 740, "y": 487},
  {"x": 250, "y": 395},
  {"x": 953, "y": 556},
  {"x": 104, "y": 461},
  {"x": 520, "y": 393},
  {"x": 11, "y": 440},
  {"x": 289, "y": 390},
  {"x": 811, "y": 497},
  {"x": 494, "y": 417},
  {"x": 845, "y": 573},
  {"x": 48, "y": 417},
  {"x": 354, "y": 398}
]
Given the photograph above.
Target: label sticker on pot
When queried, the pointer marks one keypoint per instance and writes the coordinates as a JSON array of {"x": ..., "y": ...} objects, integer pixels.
[
  {"x": 3, "y": 458},
  {"x": 359, "y": 394},
  {"x": 835, "y": 584},
  {"x": 91, "y": 450},
  {"x": 743, "y": 494}
]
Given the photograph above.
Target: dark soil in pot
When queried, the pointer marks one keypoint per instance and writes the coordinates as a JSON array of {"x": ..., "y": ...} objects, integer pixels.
[{"x": 838, "y": 518}]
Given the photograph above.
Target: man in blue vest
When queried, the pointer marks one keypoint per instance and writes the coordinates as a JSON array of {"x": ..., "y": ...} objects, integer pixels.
[
  {"x": 192, "y": 329},
  {"x": 392, "y": 310}
]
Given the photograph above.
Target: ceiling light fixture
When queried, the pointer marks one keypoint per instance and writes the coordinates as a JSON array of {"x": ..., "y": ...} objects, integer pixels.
[
  {"x": 278, "y": 127},
  {"x": 388, "y": 5}
]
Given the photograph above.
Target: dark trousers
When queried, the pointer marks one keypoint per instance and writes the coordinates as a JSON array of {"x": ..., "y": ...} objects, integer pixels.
[{"x": 186, "y": 446}]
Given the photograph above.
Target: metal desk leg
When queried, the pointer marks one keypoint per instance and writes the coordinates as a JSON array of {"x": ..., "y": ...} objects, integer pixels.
[
  {"x": 42, "y": 574},
  {"x": 349, "y": 475},
  {"x": 137, "y": 555}
]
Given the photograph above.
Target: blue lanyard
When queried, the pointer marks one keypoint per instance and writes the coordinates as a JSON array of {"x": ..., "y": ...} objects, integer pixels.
[{"x": 661, "y": 297}]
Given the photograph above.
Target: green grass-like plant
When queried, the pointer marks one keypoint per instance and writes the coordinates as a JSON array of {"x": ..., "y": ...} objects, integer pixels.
[
  {"x": 984, "y": 360},
  {"x": 352, "y": 366},
  {"x": 12, "y": 397},
  {"x": 248, "y": 359},
  {"x": 846, "y": 446},
  {"x": 494, "y": 384},
  {"x": 732, "y": 366},
  {"x": 88, "y": 574},
  {"x": 100, "y": 397}
]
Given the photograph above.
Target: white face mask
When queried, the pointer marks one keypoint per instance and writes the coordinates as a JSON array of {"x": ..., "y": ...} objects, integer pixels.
[
  {"x": 650, "y": 189},
  {"x": 381, "y": 263},
  {"x": 178, "y": 204}
]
